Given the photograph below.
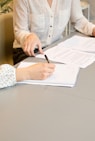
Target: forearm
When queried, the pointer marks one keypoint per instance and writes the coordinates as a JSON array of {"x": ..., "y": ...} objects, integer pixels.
[
  {"x": 81, "y": 23},
  {"x": 84, "y": 26},
  {"x": 22, "y": 74}
]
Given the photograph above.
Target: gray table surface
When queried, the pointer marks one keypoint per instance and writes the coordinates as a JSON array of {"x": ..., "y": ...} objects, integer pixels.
[{"x": 48, "y": 113}]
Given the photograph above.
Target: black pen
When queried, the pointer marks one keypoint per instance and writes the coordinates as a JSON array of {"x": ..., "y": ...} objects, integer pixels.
[{"x": 46, "y": 58}]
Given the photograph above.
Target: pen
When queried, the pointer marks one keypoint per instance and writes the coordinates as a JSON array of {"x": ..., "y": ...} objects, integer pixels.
[{"x": 46, "y": 58}]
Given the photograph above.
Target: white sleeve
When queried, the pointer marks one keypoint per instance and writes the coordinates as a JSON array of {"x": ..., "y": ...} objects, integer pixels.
[
  {"x": 20, "y": 20},
  {"x": 7, "y": 75},
  {"x": 81, "y": 23}
]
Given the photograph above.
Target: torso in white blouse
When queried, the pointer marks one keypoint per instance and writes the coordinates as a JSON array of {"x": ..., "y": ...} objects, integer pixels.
[{"x": 47, "y": 19}]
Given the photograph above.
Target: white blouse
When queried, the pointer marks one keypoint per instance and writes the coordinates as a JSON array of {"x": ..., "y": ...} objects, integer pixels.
[
  {"x": 7, "y": 76},
  {"x": 47, "y": 22}
]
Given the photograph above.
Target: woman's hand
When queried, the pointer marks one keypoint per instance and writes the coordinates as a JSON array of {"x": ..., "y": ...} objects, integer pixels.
[
  {"x": 30, "y": 43},
  {"x": 39, "y": 71},
  {"x": 93, "y": 33}
]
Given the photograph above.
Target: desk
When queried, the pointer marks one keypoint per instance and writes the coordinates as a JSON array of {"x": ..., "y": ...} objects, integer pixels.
[{"x": 47, "y": 113}]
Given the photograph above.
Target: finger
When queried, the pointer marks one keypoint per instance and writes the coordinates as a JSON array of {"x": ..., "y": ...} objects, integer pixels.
[
  {"x": 25, "y": 49},
  {"x": 32, "y": 49},
  {"x": 50, "y": 70},
  {"x": 45, "y": 75},
  {"x": 48, "y": 74},
  {"x": 51, "y": 66},
  {"x": 29, "y": 51},
  {"x": 40, "y": 47}
]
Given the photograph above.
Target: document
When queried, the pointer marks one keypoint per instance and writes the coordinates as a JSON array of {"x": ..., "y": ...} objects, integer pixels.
[
  {"x": 69, "y": 56},
  {"x": 86, "y": 44},
  {"x": 64, "y": 75}
]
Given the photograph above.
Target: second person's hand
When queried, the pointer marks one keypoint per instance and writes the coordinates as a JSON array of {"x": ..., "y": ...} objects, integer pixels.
[{"x": 31, "y": 42}]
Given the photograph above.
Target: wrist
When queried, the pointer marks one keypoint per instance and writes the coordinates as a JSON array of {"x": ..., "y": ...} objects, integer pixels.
[
  {"x": 21, "y": 74},
  {"x": 93, "y": 32}
]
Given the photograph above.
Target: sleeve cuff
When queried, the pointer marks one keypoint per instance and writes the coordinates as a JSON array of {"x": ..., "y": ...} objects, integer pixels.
[{"x": 7, "y": 75}]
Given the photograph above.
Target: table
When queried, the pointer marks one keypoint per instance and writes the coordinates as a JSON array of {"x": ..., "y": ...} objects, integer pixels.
[{"x": 47, "y": 113}]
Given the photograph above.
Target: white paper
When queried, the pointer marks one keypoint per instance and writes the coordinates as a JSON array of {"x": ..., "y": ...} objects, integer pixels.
[
  {"x": 69, "y": 56},
  {"x": 86, "y": 44},
  {"x": 64, "y": 75}
]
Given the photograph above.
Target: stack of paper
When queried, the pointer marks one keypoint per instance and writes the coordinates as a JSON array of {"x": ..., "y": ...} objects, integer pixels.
[
  {"x": 73, "y": 51},
  {"x": 86, "y": 44},
  {"x": 64, "y": 75}
]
